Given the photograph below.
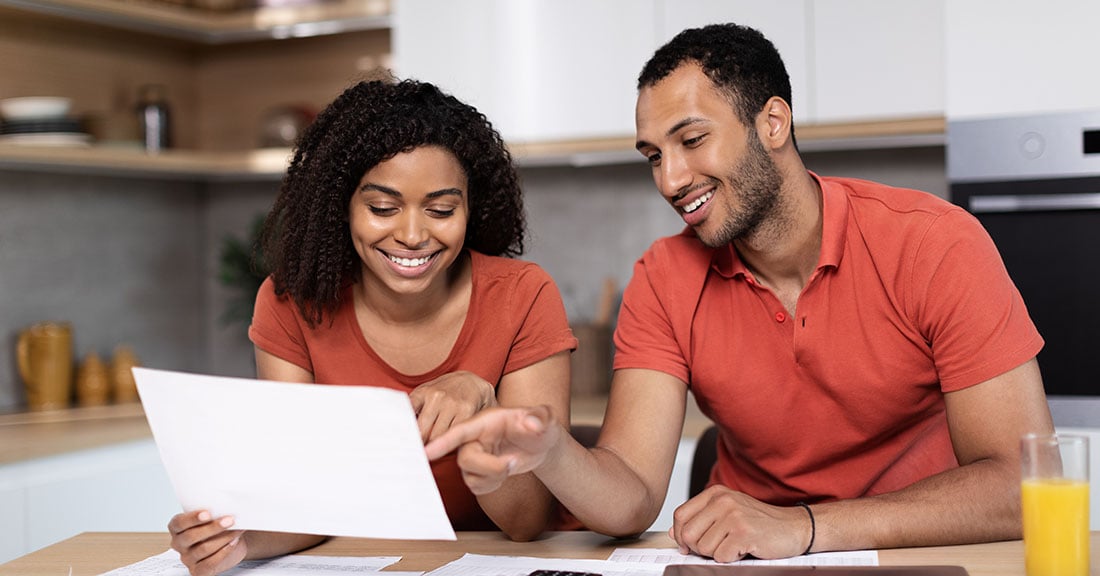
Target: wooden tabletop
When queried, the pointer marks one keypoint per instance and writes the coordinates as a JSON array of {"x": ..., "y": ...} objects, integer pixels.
[{"x": 93, "y": 553}]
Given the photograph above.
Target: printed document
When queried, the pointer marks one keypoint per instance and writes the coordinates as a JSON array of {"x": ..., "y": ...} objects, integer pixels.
[
  {"x": 168, "y": 564},
  {"x": 303, "y": 458}
]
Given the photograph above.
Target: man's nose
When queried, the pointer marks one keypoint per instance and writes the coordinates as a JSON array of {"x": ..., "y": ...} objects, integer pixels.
[{"x": 674, "y": 175}]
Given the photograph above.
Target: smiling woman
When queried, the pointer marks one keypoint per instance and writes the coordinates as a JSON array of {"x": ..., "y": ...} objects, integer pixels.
[{"x": 388, "y": 248}]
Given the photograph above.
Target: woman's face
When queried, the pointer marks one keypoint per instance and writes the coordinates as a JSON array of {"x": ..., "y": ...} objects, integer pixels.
[{"x": 408, "y": 219}]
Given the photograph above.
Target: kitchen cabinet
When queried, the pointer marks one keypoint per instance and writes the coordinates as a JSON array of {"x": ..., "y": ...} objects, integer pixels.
[
  {"x": 539, "y": 70},
  {"x": 120, "y": 488},
  {"x": 1020, "y": 58},
  {"x": 876, "y": 59},
  {"x": 551, "y": 72}
]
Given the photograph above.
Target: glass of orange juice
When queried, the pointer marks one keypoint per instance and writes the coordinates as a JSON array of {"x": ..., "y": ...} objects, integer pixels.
[{"x": 1055, "y": 503}]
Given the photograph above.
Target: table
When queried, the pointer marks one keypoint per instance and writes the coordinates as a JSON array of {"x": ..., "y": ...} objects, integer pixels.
[{"x": 93, "y": 553}]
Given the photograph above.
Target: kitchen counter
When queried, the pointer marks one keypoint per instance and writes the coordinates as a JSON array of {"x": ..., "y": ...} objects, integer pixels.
[{"x": 31, "y": 435}]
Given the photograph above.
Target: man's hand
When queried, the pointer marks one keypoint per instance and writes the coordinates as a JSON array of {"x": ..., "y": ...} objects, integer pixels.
[
  {"x": 727, "y": 525},
  {"x": 497, "y": 443},
  {"x": 206, "y": 545},
  {"x": 449, "y": 400}
]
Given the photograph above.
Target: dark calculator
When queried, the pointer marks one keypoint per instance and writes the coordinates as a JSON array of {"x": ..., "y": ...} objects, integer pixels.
[{"x": 562, "y": 573}]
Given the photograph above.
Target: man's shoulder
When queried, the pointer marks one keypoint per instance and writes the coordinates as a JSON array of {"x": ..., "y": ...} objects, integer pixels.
[{"x": 870, "y": 195}]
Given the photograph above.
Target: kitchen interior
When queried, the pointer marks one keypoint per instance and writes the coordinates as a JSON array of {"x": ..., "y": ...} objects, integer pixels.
[{"x": 125, "y": 239}]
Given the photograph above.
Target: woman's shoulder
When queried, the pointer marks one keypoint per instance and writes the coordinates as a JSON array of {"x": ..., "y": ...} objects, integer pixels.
[{"x": 501, "y": 267}]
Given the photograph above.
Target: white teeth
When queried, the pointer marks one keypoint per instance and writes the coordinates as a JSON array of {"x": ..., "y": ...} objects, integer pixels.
[
  {"x": 698, "y": 202},
  {"x": 410, "y": 262}
]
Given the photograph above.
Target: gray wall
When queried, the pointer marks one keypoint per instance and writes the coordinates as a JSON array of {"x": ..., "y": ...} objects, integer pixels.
[{"x": 134, "y": 261}]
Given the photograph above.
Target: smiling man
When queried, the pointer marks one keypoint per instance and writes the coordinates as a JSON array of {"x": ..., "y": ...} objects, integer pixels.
[{"x": 869, "y": 363}]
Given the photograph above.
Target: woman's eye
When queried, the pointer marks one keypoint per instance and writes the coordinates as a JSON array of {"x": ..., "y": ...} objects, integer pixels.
[
  {"x": 382, "y": 210},
  {"x": 441, "y": 212}
]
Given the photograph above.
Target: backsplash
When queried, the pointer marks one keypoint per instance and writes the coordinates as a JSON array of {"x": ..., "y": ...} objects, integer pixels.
[{"x": 134, "y": 261}]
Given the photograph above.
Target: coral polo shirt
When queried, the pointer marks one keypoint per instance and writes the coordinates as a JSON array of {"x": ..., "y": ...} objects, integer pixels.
[{"x": 844, "y": 398}]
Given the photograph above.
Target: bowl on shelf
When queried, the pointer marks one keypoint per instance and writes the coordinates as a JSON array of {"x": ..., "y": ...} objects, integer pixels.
[{"x": 35, "y": 107}]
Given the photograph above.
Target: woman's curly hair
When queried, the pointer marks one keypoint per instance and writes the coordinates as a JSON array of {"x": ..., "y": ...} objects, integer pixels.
[{"x": 306, "y": 241}]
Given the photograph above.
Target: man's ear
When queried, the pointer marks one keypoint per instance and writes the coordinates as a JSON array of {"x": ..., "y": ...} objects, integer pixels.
[{"x": 774, "y": 123}]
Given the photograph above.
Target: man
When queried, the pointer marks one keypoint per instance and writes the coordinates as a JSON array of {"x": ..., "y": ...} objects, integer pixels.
[{"x": 862, "y": 349}]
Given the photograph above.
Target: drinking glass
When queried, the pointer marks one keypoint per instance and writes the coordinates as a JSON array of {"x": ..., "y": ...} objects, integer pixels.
[{"x": 1055, "y": 503}]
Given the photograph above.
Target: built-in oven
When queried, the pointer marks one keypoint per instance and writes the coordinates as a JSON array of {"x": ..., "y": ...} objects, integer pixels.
[{"x": 1034, "y": 183}]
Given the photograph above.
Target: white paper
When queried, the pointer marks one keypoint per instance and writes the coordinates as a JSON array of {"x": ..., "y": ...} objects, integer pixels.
[
  {"x": 302, "y": 458},
  {"x": 664, "y": 556},
  {"x": 168, "y": 564},
  {"x": 482, "y": 565}
]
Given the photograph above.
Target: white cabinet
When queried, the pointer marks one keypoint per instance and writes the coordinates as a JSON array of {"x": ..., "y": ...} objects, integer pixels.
[
  {"x": 120, "y": 488},
  {"x": 784, "y": 22},
  {"x": 1019, "y": 58},
  {"x": 877, "y": 59},
  {"x": 541, "y": 71}
]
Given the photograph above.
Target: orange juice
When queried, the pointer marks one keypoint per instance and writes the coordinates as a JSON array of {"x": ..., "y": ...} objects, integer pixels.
[{"x": 1056, "y": 527}]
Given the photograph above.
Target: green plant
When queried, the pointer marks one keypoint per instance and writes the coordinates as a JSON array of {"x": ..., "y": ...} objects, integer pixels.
[{"x": 242, "y": 270}]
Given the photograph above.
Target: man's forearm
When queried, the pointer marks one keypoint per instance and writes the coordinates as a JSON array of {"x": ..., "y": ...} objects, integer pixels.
[
  {"x": 600, "y": 489},
  {"x": 978, "y": 502}
]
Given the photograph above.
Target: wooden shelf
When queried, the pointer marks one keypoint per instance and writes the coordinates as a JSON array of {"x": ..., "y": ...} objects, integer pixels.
[
  {"x": 270, "y": 164},
  {"x": 212, "y": 27}
]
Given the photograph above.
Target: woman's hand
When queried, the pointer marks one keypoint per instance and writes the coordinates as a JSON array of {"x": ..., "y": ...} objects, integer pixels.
[
  {"x": 449, "y": 400},
  {"x": 498, "y": 443},
  {"x": 206, "y": 545}
]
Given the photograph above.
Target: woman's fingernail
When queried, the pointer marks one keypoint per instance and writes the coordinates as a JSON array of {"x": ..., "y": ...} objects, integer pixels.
[
  {"x": 226, "y": 521},
  {"x": 234, "y": 541},
  {"x": 204, "y": 516}
]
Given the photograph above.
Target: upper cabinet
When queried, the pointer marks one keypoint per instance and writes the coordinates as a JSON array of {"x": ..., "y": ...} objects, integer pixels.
[
  {"x": 876, "y": 59},
  {"x": 539, "y": 70},
  {"x": 567, "y": 69},
  {"x": 1019, "y": 58}
]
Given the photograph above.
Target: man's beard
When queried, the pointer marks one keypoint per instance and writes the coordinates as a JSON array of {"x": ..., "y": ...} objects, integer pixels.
[{"x": 756, "y": 181}]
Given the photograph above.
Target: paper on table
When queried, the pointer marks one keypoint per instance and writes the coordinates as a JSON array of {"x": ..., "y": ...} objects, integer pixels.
[
  {"x": 303, "y": 458},
  {"x": 482, "y": 565},
  {"x": 664, "y": 556},
  {"x": 168, "y": 564}
]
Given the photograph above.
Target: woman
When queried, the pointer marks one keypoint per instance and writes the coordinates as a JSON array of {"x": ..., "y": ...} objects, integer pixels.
[{"x": 388, "y": 247}]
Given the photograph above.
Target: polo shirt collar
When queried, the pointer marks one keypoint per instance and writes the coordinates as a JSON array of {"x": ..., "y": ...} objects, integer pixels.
[{"x": 834, "y": 227}]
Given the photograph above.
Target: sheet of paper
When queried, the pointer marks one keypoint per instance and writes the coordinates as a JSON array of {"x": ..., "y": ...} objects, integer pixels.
[
  {"x": 482, "y": 565},
  {"x": 304, "y": 458},
  {"x": 663, "y": 556},
  {"x": 168, "y": 564}
]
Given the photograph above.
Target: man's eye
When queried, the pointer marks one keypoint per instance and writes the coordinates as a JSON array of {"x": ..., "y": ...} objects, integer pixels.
[
  {"x": 691, "y": 142},
  {"x": 382, "y": 210},
  {"x": 654, "y": 159}
]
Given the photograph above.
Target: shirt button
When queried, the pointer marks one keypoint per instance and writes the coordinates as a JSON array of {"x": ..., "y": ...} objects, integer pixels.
[{"x": 780, "y": 316}]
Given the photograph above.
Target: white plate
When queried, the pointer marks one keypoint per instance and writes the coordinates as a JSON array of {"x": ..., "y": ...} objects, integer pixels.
[
  {"x": 31, "y": 107},
  {"x": 48, "y": 139}
]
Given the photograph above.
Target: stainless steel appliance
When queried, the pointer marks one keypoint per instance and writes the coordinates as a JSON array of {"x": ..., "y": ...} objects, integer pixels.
[{"x": 1034, "y": 183}]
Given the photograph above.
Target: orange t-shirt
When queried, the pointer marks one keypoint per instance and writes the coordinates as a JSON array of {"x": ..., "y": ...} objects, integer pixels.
[
  {"x": 909, "y": 300},
  {"x": 516, "y": 318}
]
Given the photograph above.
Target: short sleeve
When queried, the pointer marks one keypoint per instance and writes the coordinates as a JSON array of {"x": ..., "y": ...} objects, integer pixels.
[
  {"x": 543, "y": 325},
  {"x": 277, "y": 327},
  {"x": 644, "y": 335},
  {"x": 967, "y": 306}
]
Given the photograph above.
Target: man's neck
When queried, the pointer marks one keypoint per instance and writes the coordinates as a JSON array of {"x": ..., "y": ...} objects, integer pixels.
[{"x": 783, "y": 253}]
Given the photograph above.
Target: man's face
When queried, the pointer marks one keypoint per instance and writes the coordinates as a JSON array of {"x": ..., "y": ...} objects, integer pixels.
[{"x": 711, "y": 168}]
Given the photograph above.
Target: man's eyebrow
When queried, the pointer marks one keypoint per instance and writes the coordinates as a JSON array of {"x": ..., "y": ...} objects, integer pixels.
[
  {"x": 396, "y": 194},
  {"x": 674, "y": 129}
]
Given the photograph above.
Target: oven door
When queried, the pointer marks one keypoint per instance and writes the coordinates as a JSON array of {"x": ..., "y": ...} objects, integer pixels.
[{"x": 1048, "y": 233}]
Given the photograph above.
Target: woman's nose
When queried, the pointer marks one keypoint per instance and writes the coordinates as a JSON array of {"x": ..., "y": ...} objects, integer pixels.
[{"x": 411, "y": 231}]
